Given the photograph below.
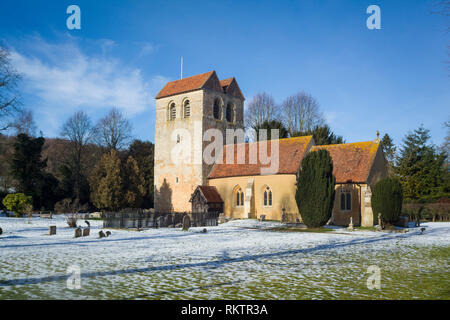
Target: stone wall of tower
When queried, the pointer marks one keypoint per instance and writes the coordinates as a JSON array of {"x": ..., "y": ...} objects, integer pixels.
[{"x": 175, "y": 182}]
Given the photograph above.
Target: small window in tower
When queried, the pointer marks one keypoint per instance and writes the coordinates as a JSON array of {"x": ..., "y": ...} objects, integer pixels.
[
  {"x": 187, "y": 109},
  {"x": 172, "y": 112},
  {"x": 178, "y": 138},
  {"x": 176, "y": 180}
]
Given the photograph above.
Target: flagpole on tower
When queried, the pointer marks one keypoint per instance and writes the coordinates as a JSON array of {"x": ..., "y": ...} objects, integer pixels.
[{"x": 181, "y": 67}]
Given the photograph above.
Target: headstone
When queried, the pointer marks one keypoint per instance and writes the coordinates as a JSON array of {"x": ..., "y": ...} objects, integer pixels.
[
  {"x": 380, "y": 221},
  {"x": 262, "y": 217},
  {"x": 101, "y": 234},
  {"x": 78, "y": 232},
  {"x": 221, "y": 218},
  {"x": 186, "y": 223},
  {"x": 283, "y": 215},
  {"x": 204, "y": 230},
  {"x": 108, "y": 233},
  {"x": 422, "y": 230},
  {"x": 1, "y": 231},
  {"x": 350, "y": 225},
  {"x": 86, "y": 232},
  {"x": 52, "y": 230}
]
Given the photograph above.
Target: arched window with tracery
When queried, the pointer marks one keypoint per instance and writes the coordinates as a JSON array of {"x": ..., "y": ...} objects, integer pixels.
[
  {"x": 346, "y": 201},
  {"x": 267, "y": 197},
  {"x": 238, "y": 197}
]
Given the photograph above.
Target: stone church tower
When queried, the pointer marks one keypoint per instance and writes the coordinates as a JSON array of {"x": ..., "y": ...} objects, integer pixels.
[{"x": 185, "y": 109}]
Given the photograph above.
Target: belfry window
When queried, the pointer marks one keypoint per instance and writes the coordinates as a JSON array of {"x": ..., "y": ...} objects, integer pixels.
[
  {"x": 187, "y": 109},
  {"x": 267, "y": 197},
  {"x": 216, "y": 109},
  {"x": 229, "y": 112},
  {"x": 172, "y": 112}
]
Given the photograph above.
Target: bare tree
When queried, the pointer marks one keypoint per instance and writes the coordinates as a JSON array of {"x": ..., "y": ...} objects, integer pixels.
[
  {"x": 9, "y": 98},
  {"x": 24, "y": 123},
  {"x": 301, "y": 112},
  {"x": 113, "y": 131},
  {"x": 261, "y": 108},
  {"x": 78, "y": 130}
]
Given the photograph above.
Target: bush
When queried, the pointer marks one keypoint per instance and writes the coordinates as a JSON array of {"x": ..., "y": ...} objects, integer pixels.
[
  {"x": 71, "y": 220},
  {"x": 315, "y": 188},
  {"x": 387, "y": 198},
  {"x": 17, "y": 203}
]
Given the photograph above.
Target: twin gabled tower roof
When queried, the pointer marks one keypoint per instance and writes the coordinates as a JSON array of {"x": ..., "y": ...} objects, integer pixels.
[{"x": 208, "y": 80}]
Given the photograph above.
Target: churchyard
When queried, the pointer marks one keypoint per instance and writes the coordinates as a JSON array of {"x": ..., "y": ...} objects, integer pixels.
[{"x": 240, "y": 259}]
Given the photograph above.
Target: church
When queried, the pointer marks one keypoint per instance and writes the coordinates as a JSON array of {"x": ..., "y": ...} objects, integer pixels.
[{"x": 187, "y": 108}]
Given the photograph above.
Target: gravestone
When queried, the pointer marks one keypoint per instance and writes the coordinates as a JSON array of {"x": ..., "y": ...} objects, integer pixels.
[
  {"x": 186, "y": 223},
  {"x": 86, "y": 232},
  {"x": 262, "y": 217},
  {"x": 380, "y": 221},
  {"x": 350, "y": 225},
  {"x": 221, "y": 218},
  {"x": 101, "y": 234},
  {"x": 204, "y": 230},
  {"x": 52, "y": 230},
  {"x": 1, "y": 231},
  {"x": 108, "y": 233},
  {"x": 78, "y": 232}
]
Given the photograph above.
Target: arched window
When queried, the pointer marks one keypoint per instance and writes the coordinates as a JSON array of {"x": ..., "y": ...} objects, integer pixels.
[
  {"x": 172, "y": 111},
  {"x": 239, "y": 197},
  {"x": 267, "y": 197},
  {"x": 346, "y": 201},
  {"x": 229, "y": 112},
  {"x": 187, "y": 109},
  {"x": 216, "y": 109},
  {"x": 342, "y": 201}
]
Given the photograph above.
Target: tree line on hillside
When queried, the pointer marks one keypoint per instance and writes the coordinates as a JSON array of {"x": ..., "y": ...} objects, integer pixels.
[{"x": 88, "y": 167}]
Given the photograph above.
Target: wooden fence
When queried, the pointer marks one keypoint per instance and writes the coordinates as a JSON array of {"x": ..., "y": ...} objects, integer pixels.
[{"x": 139, "y": 219}]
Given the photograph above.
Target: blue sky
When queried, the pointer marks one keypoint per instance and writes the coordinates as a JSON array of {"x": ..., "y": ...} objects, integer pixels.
[{"x": 391, "y": 80}]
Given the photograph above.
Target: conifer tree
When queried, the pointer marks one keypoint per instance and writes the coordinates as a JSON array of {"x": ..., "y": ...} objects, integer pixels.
[
  {"x": 387, "y": 198},
  {"x": 315, "y": 188},
  {"x": 420, "y": 167},
  {"x": 133, "y": 184},
  {"x": 106, "y": 182}
]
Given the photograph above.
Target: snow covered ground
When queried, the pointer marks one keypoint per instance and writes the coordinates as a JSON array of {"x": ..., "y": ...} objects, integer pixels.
[{"x": 242, "y": 259}]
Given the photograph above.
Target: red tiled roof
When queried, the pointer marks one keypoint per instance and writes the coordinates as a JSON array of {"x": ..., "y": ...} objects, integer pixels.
[
  {"x": 185, "y": 85},
  {"x": 351, "y": 161},
  {"x": 291, "y": 152},
  {"x": 211, "y": 194},
  {"x": 225, "y": 83}
]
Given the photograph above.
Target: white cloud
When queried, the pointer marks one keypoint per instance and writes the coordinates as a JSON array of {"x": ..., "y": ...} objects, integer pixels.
[{"x": 62, "y": 79}]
